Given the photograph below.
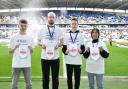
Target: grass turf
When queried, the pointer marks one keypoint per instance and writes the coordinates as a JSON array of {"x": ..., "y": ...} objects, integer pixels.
[
  {"x": 63, "y": 84},
  {"x": 115, "y": 65}
]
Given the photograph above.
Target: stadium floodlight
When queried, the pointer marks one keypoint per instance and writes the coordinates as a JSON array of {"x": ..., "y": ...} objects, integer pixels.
[
  {"x": 54, "y": 8},
  {"x": 69, "y": 8},
  {"x": 98, "y": 9},
  {"x": 109, "y": 10},
  {"x": 44, "y": 8},
  {"x": 30, "y": 9},
  {"x": 80, "y": 9},
  {"x": 15, "y": 10},
  {"x": 4, "y": 10},
  {"x": 89, "y": 9},
  {"x": 62, "y": 8},
  {"x": 119, "y": 11}
]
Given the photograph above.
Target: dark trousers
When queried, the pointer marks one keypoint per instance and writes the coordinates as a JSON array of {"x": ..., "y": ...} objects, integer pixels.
[
  {"x": 46, "y": 66},
  {"x": 77, "y": 72},
  {"x": 110, "y": 43}
]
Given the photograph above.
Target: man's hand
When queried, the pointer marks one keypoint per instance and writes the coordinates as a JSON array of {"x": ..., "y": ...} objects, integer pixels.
[
  {"x": 88, "y": 49},
  {"x": 79, "y": 50},
  {"x": 56, "y": 46},
  {"x": 31, "y": 49},
  {"x": 17, "y": 46},
  {"x": 59, "y": 44},
  {"x": 12, "y": 50},
  {"x": 62, "y": 40},
  {"x": 101, "y": 48},
  {"x": 67, "y": 51},
  {"x": 43, "y": 46}
]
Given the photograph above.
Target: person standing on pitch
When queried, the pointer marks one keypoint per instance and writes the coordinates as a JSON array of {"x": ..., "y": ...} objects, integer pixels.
[
  {"x": 110, "y": 40},
  {"x": 50, "y": 39},
  {"x": 21, "y": 45},
  {"x": 73, "y": 47},
  {"x": 95, "y": 53}
]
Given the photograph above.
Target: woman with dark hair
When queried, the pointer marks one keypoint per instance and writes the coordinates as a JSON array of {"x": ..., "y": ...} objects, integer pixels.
[{"x": 95, "y": 53}]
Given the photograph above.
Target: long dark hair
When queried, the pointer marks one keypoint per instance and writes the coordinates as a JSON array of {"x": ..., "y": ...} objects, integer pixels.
[{"x": 97, "y": 30}]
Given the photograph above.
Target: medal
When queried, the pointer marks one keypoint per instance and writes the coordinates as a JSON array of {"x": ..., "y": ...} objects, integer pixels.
[
  {"x": 50, "y": 47},
  {"x": 94, "y": 52},
  {"x": 73, "y": 49},
  {"x": 23, "y": 51},
  {"x": 51, "y": 33}
]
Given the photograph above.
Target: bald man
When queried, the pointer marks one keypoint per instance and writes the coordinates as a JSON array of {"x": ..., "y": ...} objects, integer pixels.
[{"x": 50, "y": 39}]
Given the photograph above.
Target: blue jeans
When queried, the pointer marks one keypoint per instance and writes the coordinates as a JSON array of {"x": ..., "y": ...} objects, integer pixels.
[
  {"x": 16, "y": 74},
  {"x": 99, "y": 80}
]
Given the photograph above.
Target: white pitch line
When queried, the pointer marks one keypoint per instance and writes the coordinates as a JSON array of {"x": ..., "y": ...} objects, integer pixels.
[
  {"x": 83, "y": 77},
  {"x": 64, "y": 68}
]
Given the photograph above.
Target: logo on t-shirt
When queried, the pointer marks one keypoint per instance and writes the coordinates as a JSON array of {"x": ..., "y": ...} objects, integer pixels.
[
  {"x": 73, "y": 49},
  {"x": 23, "y": 51},
  {"x": 94, "y": 53}
]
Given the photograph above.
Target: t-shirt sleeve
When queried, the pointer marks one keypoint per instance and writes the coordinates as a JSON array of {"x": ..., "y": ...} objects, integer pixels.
[
  {"x": 105, "y": 52},
  {"x": 65, "y": 40},
  {"x": 82, "y": 39},
  {"x": 32, "y": 42},
  {"x": 87, "y": 45},
  {"x": 105, "y": 47},
  {"x": 61, "y": 34},
  {"x": 11, "y": 43},
  {"x": 39, "y": 35}
]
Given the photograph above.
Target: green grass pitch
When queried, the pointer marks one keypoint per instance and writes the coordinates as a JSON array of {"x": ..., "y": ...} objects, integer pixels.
[
  {"x": 115, "y": 65},
  {"x": 37, "y": 84}
]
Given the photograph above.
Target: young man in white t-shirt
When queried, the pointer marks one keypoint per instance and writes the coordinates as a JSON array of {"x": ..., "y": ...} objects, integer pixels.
[
  {"x": 21, "y": 45},
  {"x": 50, "y": 39},
  {"x": 73, "y": 47},
  {"x": 95, "y": 53}
]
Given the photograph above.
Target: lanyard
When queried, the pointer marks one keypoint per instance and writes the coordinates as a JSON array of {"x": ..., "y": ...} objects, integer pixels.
[
  {"x": 73, "y": 40},
  {"x": 51, "y": 33},
  {"x": 96, "y": 44}
]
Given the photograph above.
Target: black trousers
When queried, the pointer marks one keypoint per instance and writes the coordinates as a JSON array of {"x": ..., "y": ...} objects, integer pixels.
[
  {"x": 46, "y": 66},
  {"x": 110, "y": 43},
  {"x": 77, "y": 72}
]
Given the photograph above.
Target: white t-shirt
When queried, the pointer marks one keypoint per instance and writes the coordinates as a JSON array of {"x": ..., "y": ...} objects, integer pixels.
[
  {"x": 44, "y": 36},
  {"x": 95, "y": 64},
  {"x": 21, "y": 56},
  {"x": 77, "y": 59}
]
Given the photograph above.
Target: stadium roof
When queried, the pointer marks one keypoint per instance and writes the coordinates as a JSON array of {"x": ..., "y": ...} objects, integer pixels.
[{"x": 107, "y": 4}]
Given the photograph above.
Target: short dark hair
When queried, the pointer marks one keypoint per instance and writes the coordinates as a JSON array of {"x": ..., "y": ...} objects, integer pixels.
[
  {"x": 74, "y": 19},
  {"x": 23, "y": 21}
]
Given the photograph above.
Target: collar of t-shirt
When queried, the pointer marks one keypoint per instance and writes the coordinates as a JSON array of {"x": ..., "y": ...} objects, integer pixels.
[
  {"x": 51, "y": 25},
  {"x": 74, "y": 32},
  {"x": 95, "y": 40}
]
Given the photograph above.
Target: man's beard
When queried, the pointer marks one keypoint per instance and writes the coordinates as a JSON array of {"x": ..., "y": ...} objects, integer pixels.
[{"x": 51, "y": 22}]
